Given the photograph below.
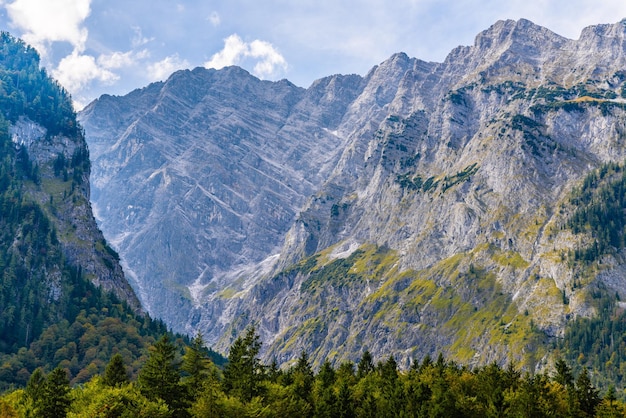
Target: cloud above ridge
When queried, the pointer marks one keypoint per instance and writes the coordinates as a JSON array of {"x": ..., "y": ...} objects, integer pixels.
[
  {"x": 269, "y": 62},
  {"x": 162, "y": 69}
]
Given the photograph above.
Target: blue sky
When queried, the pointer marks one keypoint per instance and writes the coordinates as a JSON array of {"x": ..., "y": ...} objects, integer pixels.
[{"x": 114, "y": 46}]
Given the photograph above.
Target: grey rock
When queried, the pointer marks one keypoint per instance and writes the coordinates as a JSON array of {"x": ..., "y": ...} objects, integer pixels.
[
  {"x": 70, "y": 210},
  {"x": 214, "y": 185}
]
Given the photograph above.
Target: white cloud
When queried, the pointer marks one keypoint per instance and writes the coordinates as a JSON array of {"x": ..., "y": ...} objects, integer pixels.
[
  {"x": 121, "y": 59},
  {"x": 214, "y": 18},
  {"x": 162, "y": 69},
  {"x": 270, "y": 59},
  {"x": 269, "y": 62},
  {"x": 49, "y": 21},
  {"x": 76, "y": 71},
  {"x": 138, "y": 39},
  {"x": 234, "y": 50}
]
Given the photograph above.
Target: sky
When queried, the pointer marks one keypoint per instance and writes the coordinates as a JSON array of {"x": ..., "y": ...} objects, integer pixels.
[{"x": 93, "y": 47}]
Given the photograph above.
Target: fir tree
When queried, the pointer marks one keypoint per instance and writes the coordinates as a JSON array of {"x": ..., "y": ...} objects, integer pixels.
[
  {"x": 345, "y": 407},
  {"x": 35, "y": 385},
  {"x": 303, "y": 377},
  {"x": 586, "y": 394},
  {"x": 159, "y": 378},
  {"x": 54, "y": 399},
  {"x": 243, "y": 372},
  {"x": 195, "y": 365},
  {"x": 115, "y": 373},
  {"x": 563, "y": 373},
  {"x": 327, "y": 375},
  {"x": 366, "y": 365}
]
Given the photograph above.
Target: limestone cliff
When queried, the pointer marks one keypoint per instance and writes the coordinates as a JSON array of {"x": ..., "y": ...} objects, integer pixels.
[{"x": 420, "y": 208}]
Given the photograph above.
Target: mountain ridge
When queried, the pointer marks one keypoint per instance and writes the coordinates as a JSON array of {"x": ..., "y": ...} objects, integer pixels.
[{"x": 486, "y": 147}]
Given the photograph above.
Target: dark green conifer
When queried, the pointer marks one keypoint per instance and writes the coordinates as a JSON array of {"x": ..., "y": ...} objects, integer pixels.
[
  {"x": 54, "y": 399},
  {"x": 327, "y": 375},
  {"x": 195, "y": 365},
  {"x": 345, "y": 406},
  {"x": 159, "y": 378},
  {"x": 115, "y": 374},
  {"x": 243, "y": 372},
  {"x": 366, "y": 365},
  {"x": 586, "y": 394},
  {"x": 35, "y": 385},
  {"x": 563, "y": 373}
]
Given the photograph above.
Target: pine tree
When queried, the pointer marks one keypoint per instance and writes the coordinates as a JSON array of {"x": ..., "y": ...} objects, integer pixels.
[
  {"x": 345, "y": 407},
  {"x": 366, "y": 365},
  {"x": 115, "y": 373},
  {"x": 195, "y": 365},
  {"x": 586, "y": 394},
  {"x": 274, "y": 373},
  {"x": 159, "y": 378},
  {"x": 563, "y": 373},
  {"x": 243, "y": 372},
  {"x": 303, "y": 378},
  {"x": 326, "y": 375},
  {"x": 54, "y": 400},
  {"x": 35, "y": 385}
]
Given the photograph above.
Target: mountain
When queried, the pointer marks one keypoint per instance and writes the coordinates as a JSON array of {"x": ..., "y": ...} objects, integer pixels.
[
  {"x": 197, "y": 180},
  {"x": 455, "y": 207},
  {"x": 64, "y": 300}
]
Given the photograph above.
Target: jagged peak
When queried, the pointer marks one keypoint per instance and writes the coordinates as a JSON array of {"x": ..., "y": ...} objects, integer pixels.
[
  {"x": 600, "y": 34},
  {"x": 508, "y": 32},
  {"x": 397, "y": 62},
  {"x": 333, "y": 79}
]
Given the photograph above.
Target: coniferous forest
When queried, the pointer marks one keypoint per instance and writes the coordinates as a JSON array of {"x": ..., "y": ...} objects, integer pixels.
[
  {"x": 51, "y": 314},
  {"x": 177, "y": 381}
]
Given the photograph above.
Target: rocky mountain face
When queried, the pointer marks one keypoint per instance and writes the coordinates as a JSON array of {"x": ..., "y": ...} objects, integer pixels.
[
  {"x": 197, "y": 180},
  {"x": 68, "y": 200},
  {"x": 63, "y": 296},
  {"x": 37, "y": 117},
  {"x": 424, "y": 207}
]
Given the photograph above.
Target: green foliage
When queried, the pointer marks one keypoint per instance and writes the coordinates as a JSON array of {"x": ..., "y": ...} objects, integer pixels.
[
  {"x": 337, "y": 273},
  {"x": 366, "y": 365},
  {"x": 115, "y": 373},
  {"x": 243, "y": 372},
  {"x": 598, "y": 343},
  {"x": 599, "y": 205},
  {"x": 25, "y": 89},
  {"x": 98, "y": 400},
  {"x": 415, "y": 183},
  {"x": 196, "y": 365},
  {"x": 50, "y": 313},
  {"x": 49, "y": 396},
  {"x": 429, "y": 389},
  {"x": 159, "y": 377}
]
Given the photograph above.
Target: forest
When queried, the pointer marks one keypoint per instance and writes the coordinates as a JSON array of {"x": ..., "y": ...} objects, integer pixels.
[
  {"x": 68, "y": 348},
  {"x": 51, "y": 314},
  {"x": 181, "y": 381}
]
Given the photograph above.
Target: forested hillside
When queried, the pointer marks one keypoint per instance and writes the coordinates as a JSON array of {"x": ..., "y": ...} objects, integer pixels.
[
  {"x": 175, "y": 384},
  {"x": 54, "y": 311}
]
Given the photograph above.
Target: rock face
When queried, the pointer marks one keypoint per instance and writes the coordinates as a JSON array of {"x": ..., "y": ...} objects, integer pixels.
[
  {"x": 418, "y": 209},
  {"x": 82, "y": 242},
  {"x": 197, "y": 180}
]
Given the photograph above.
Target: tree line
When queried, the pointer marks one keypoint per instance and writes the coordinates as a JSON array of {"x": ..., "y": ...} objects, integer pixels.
[{"x": 183, "y": 382}]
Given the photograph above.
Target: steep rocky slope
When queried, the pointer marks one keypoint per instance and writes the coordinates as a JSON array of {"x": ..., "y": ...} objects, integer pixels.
[
  {"x": 42, "y": 126},
  {"x": 440, "y": 198},
  {"x": 63, "y": 297},
  {"x": 196, "y": 180}
]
